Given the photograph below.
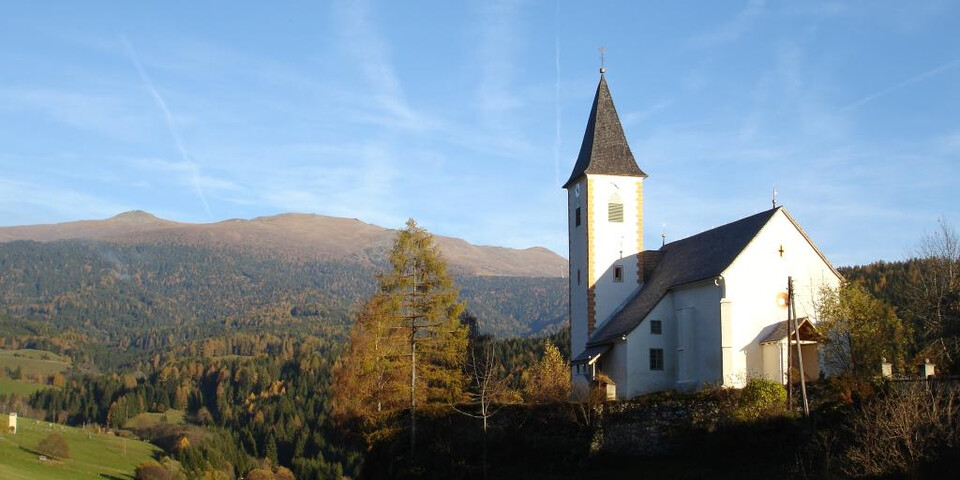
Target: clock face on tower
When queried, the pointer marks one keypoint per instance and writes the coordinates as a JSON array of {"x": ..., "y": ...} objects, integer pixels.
[{"x": 576, "y": 190}]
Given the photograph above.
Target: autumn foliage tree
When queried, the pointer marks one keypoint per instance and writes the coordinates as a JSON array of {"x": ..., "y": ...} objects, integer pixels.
[
  {"x": 367, "y": 383},
  {"x": 860, "y": 331},
  {"x": 408, "y": 346},
  {"x": 549, "y": 379}
]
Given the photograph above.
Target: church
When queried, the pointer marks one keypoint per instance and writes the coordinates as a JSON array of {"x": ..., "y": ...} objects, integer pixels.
[{"x": 706, "y": 310}]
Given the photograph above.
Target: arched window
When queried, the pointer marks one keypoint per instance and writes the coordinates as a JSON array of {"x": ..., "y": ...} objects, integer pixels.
[{"x": 615, "y": 209}]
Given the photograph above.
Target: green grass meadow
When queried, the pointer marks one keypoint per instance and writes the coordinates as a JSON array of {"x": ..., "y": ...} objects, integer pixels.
[
  {"x": 9, "y": 386},
  {"x": 33, "y": 362},
  {"x": 92, "y": 455}
]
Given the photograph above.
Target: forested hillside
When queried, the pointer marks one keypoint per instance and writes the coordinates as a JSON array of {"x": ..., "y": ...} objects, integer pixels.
[
  {"x": 137, "y": 299},
  {"x": 925, "y": 293}
]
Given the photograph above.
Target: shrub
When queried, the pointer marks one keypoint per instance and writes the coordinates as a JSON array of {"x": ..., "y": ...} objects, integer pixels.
[
  {"x": 169, "y": 469},
  {"x": 761, "y": 398},
  {"x": 260, "y": 474},
  {"x": 54, "y": 445},
  {"x": 911, "y": 430}
]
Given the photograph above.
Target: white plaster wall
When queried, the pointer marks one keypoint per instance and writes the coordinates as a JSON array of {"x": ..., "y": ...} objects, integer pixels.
[
  {"x": 615, "y": 365},
  {"x": 774, "y": 361},
  {"x": 577, "y": 237},
  {"x": 639, "y": 378},
  {"x": 753, "y": 282},
  {"x": 615, "y": 243},
  {"x": 698, "y": 307}
]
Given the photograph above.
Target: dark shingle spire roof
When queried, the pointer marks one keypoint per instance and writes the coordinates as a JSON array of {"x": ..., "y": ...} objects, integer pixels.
[{"x": 604, "y": 150}]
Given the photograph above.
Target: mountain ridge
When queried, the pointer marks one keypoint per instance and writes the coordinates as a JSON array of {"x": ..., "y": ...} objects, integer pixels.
[{"x": 293, "y": 236}]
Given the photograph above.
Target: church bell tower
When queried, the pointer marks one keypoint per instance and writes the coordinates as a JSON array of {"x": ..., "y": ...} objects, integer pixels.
[{"x": 605, "y": 217}]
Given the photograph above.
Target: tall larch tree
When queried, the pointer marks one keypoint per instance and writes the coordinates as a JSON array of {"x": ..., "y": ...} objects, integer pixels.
[{"x": 409, "y": 342}]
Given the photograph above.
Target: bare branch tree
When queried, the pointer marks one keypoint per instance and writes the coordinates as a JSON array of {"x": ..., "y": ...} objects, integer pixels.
[
  {"x": 904, "y": 429},
  {"x": 489, "y": 389},
  {"x": 933, "y": 295}
]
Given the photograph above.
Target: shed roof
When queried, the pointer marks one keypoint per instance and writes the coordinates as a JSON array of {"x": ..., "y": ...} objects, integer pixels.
[
  {"x": 778, "y": 331},
  {"x": 590, "y": 355}
]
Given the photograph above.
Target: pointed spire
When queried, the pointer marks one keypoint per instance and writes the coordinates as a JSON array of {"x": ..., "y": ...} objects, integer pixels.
[{"x": 604, "y": 150}]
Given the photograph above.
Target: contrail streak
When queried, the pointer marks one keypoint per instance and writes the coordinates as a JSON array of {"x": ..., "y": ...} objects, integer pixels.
[
  {"x": 171, "y": 125},
  {"x": 887, "y": 91}
]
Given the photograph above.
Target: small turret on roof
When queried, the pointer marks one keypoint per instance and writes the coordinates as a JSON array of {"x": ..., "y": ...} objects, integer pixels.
[{"x": 604, "y": 150}]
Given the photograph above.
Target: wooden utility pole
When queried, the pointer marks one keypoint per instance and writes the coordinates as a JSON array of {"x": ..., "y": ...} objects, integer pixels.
[
  {"x": 789, "y": 340},
  {"x": 792, "y": 316}
]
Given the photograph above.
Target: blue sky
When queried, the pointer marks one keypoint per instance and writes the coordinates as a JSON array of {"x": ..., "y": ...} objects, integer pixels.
[{"x": 468, "y": 116}]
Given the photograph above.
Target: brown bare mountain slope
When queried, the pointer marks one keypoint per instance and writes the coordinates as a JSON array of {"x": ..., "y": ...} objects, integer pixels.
[{"x": 293, "y": 236}]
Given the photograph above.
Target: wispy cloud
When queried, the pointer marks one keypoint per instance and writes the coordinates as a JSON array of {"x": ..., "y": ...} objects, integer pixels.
[
  {"x": 169, "y": 121},
  {"x": 188, "y": 174},
  {"x": 498, "y": 44},
  {"x": 361, "y": 182},
  {"x": 24, "y": 202},
  {"x": 917, "y": 78},
  {"x": 370, "y": 52},
  {"x": 630, "y": 118},
  {"x": 731, "y": 30},
  {"x": 104, "y": 114}
]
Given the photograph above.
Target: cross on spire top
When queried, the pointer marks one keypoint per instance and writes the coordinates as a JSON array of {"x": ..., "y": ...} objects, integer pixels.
[{"x": 602, "y": 51}]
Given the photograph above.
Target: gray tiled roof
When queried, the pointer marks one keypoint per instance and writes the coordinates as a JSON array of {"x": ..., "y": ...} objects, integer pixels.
[
  {"x": 700, "y": 257},
  {"x": 590, "y": 354},
  {"x": 604, "y": 149}
]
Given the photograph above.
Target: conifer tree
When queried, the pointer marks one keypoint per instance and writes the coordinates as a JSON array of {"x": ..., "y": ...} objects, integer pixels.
[
  {"x": 408, "y": 343},
  {"x": 367, "y": 380}
]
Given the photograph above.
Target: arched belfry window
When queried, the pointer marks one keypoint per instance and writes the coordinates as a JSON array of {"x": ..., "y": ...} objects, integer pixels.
[{"x": 615, "y": 209}]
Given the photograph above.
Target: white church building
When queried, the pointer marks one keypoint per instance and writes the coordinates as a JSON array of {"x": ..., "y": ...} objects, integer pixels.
[{"x": 707, "y": 310}]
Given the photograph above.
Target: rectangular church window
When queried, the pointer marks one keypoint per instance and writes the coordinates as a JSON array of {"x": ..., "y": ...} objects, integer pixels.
[
  {"x": 578, "y": 217},
  {"x": 656, "y": 327},
  {"x": 656, "y": 359},
  {"x": 617, "y": 273}
]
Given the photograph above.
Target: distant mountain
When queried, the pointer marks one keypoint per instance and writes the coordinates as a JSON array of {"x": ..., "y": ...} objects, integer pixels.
[
  {"x": 134, "y": 284},
  {"x": 293, "y": 237}
]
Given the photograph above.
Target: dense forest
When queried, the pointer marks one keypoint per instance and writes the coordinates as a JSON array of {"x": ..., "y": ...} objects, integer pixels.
[
  {"x": 244, "y": 344},
  {"x": 257, "y": 395},
  {"x": 143, "y": 299}
]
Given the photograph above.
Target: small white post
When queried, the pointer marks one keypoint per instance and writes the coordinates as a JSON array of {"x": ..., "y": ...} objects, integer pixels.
[{"x": 886, "y": 368}]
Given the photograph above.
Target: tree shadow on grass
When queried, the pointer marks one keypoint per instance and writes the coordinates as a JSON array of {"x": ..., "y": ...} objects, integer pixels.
[{"x": 47, "y": 458}]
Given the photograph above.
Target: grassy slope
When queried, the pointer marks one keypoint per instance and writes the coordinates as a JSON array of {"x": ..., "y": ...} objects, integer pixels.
[
  {"x": 33, "y": 362},
  {"x": 18, "y": 387},
  {"x": 92, "y": 455},
  {"x": 149, "y": 419}
]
